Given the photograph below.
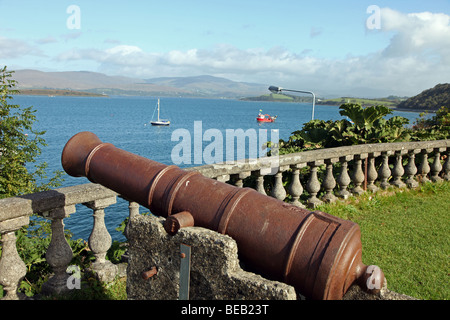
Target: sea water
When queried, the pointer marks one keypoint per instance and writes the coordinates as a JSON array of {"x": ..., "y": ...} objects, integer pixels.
[{"x": 125, "y": 122}]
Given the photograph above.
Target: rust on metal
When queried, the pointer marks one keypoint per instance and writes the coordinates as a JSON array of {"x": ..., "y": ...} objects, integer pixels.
[
  {"x": 150, "y": 273},
  {"x": 318, "y": 254},
  {"x": 177, "y": 221}
]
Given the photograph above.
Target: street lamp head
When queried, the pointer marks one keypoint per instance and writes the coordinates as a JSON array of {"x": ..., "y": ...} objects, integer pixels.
[{"x": 274, "y": 89}]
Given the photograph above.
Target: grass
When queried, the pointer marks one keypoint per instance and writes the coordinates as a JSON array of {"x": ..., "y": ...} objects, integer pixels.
[
  {"x": 362, "y": 101},
  {"x": 92, "y": 289},
  {"x": 405, "y": 233}
]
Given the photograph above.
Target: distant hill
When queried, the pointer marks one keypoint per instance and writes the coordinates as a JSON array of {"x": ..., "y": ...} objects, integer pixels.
[
  {"x": 205, "y": 85},
  {"x": 431, "y": 99},
  {"x": 99, "y": 83}
]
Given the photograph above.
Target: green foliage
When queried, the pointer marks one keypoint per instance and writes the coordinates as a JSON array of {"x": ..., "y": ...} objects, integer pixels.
[
  {"x": 430, "y": 99},
  {"x": 361, "y": 126},
  {"x": 438, "y": 127},
  {"x": 20, "y": 145}
]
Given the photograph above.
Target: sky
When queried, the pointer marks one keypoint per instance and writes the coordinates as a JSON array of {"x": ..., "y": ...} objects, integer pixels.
[{"x": 359, "y": 48}]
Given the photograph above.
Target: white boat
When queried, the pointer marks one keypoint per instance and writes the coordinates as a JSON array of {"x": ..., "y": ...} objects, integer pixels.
[{"x": 160, "y": 122}]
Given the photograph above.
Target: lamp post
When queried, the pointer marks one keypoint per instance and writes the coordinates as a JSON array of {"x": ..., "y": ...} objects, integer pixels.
[{"x": 274, "y": 89}]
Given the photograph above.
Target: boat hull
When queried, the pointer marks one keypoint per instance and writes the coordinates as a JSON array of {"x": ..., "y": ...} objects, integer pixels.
[
  {"x": 160, "y": 123},
  {"x": 264, "y": 120}
]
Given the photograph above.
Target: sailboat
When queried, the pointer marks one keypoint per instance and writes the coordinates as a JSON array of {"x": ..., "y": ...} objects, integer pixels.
[{"x": 160, "y": 122}]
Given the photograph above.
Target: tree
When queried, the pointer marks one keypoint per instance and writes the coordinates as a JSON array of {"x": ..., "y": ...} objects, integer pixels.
[{"x": 20, "y": 146}]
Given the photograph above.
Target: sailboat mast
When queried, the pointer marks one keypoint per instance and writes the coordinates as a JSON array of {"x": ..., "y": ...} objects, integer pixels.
[{"x": 158, "y": 109}]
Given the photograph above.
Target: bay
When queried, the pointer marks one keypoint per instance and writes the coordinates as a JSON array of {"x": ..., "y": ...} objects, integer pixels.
[{"x": 124, "y": 122}]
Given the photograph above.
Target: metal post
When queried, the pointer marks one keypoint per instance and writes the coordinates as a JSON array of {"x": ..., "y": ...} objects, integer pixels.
[{"x": 185, "y": 270}]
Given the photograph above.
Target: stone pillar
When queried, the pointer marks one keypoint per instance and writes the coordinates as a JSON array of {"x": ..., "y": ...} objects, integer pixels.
[
  {"x": 424, "y": 167},
  {"x": 436, "y": 167},
  {"x": 100, "y": 241},
  {"x": 384, "y": 172},
  {"x": 372, "y": 173},
  {"x": 239, "y": 178},
  {"x": 278, "y": 190},
  {"x": 133, "y": 209},
  {"x": 398, "y": 171},
  {"x": 260, "y": 182},
  {"x": 313, "y": 185},
  {"x": 358, "y": 174},
  {"x": 447, "y": 167},
  {"x": 12, "y": 268},
  {"x": 344, "y": 178},
  {"x": 59, "y": 253},
  {"x": 411, "y": 170},
  {"x": 295, "y": 187},
  {"x": 329, "y": 182}
]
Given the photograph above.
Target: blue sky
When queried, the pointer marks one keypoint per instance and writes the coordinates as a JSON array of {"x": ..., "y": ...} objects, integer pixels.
[{"x": 322, "y": 45}]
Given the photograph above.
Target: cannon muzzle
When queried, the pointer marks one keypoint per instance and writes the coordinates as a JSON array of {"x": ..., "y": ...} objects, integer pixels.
[{"x": 318, "y": 254}]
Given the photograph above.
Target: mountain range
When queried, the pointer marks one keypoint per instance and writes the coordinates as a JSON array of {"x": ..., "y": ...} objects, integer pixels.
[{"x": 94, "y": 82}]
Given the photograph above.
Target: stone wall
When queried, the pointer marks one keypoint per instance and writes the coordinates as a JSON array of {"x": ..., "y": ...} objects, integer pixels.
[{"x": 215, "y": 271}]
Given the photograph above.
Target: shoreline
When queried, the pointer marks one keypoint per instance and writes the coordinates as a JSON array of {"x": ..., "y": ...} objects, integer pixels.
[{"x": 57, "y": 92}]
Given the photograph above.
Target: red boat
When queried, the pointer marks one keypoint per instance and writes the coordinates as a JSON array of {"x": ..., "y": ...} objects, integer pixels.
[{"x": 265, "y": 117}]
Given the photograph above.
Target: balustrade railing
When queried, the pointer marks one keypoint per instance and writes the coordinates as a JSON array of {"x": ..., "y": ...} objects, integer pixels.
[
  {"x": 303, "y": 179},
  {"x": 312, "y": 177}
]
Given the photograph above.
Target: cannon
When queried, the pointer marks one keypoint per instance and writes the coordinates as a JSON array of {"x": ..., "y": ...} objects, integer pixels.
[{"x": 318, "y": 254}]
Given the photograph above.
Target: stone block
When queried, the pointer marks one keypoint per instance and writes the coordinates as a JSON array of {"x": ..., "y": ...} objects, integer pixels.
[{"x": 215, "y": 271}]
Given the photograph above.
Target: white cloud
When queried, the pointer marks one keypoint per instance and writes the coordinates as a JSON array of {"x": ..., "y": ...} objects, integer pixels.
[
  {"x": 13, "y": 48},
  {"x": 416, "y": 58},
  {"x": 417, "y": 34}
]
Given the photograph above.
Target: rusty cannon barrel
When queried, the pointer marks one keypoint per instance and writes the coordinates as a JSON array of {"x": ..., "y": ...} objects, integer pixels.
[{"x": 316, "y": 253}]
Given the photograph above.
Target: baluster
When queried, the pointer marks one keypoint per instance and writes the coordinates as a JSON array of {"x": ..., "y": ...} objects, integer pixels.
[
  {"x": 358, "y": 174},
  {"x": 260, "y": 182},
  {"x": 223, "y": 178},
  {"x": 411, "y": 170},
  {"x": 278, "y": 190},
  {"x": 295, "y": 187},
  {"x": 447, "y": 167},
  {"x": 344, "y": 178},
  {"x": 100, "y": 240},
  {"x": 133, "y": 211},
  {"x": 436, "y": 167},
  {"x": 424, "y": 167},
  {"x": 313, "y": 185},
  {"x": 59, "y": 253},
  {"x": 12, "y": 268},
  {"x": 329, "y": 182},
  {"x": 398, "y": 171},
  {"x": 239, "y": 178},
  {"x": 372, "y": 173},
  {"x": 384, "y": 172}
]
